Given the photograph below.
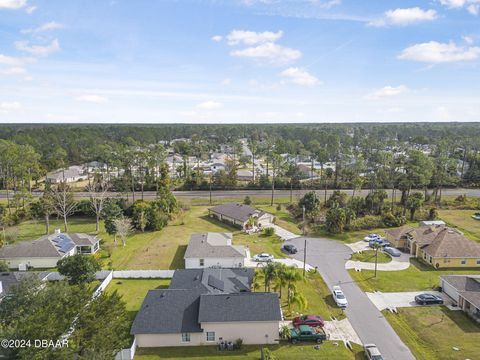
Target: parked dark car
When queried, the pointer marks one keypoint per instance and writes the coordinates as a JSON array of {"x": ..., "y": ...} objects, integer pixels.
[
  {"x": 380, "y": 242},
  {"x": 307, "y": 333},
  {"x": 428, "y": 299},
  {"x": 310, "y": 320},
  {"x": 289, "y": 248}
]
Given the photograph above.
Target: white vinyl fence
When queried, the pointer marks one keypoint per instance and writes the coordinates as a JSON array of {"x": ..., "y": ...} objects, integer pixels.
[{"x": 143, "y": 274}]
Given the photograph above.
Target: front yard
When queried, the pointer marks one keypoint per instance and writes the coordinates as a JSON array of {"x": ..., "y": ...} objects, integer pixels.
[
  {"x": 417, "y": 277},
  {"x": 436, "y": 333},
  {"x": 369, "y": 256},
  {"x": 284, "y": 351}
]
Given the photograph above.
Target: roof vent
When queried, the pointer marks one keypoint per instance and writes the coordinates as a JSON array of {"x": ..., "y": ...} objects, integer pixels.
[{"x": 58, "y": 231}]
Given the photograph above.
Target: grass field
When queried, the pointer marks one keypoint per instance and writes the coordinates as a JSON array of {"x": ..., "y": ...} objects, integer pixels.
[
  {"x": 417, "y": 277},
  {"x": 284, "y": 351},
  {"x": 133, "y": 291},
  {"x": 462, "y": 220},
  {"x": 369, "y": 256},
  {"x": 432, "y": 332}
]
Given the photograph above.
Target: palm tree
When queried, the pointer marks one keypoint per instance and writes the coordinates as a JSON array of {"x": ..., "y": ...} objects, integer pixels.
[
  {"x": 281, "y": 279},
  {"x": 291, "y": 276},
  {"x": 297, "y": 298},
  {"x": 269, "y": 274},
  {"x": 285, "y": 332}
]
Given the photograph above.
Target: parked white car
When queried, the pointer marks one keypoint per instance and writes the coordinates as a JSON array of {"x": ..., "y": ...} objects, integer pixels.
[
  {"x": 264, "y": 257},
  {"x": 372, "y": 352},
  {"x": 339, "y": 297},
  {"x": 371, "y": 237}
]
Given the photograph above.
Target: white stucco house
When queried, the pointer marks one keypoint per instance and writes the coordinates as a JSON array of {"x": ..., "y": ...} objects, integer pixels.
[
  {"x": 71, "y": 174},
  {"x": 46, "y": 251},
  {"x": 239, "y": 215},
  {"x": 207, "y": 307},
  {"x": 207, "y": 250}
]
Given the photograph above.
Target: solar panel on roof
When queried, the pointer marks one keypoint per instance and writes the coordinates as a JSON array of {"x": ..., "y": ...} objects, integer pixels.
[
  {"x": 216, "y": 283},
  {"x": 64, "y": 243}
]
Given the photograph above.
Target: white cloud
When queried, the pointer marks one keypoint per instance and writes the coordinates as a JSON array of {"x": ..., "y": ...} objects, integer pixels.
[
  {"x": 252, "y": 38},
  {"x": 30, "y": 9},
  {"x": 52, "y": 25},
  {"x": 472, "y": 6},
  {"x": 210, "y": 105},
  {"x": 6, "y": 107},
  {"x": 468, "y": 39},
  {"x": 217, "y": 38},
  {"x": 38, "y": 50},
  {"x": 97, "y": 99},
  {"x": 435, "y": 52},
  {"x": 404, "y": 17},
  {"x": 12, "y": 4},
  {"x": 300, "y": 77},
  {"x": 274, "y": 53},
  {"x": 325, "y": 4},
  {"x": 11, "y": 61},
  {"x": 14, "y": 71},
  {"x": 387, "y": 91}
]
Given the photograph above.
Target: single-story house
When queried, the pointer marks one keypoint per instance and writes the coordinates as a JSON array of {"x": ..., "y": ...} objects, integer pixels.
[
  {"x": 206, "y": 250},
  {"x": 439, "y": 246},
  {"x": 244, "y": 175},
  {"x": 464, "y": 291},
  {"x": 213, "y": 306},
  {"x": 239, "y": 214},
  {"x": 69, "y": 175},
  {"x": 432, "y": 223},
  {"x": 47, "y": 250}
]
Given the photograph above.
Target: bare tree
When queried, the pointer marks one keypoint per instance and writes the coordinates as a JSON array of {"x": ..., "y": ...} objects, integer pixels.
[
  {"x": 123, "y": 227},
  {"x": 47, "y": 202},
  {"x": 63, "y": 202},
  {"x": 97, "y": 193}
]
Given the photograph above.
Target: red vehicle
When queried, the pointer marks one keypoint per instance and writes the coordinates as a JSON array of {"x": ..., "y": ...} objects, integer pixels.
[{"x": 310, "y": 320}]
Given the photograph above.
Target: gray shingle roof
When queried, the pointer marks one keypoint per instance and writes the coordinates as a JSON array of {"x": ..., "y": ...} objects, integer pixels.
[
  {"x": 213, "y": 245},
  {"x": 233, "y": 280},
  {"x": 10, "y": 280},
  {"x": 468, "y": 286},
  {"x": 46, "y": 246},
  {"x": 170, "y": 311},
  {"x": 239, "y": 307},
  {"x": 236, "y": 211}
]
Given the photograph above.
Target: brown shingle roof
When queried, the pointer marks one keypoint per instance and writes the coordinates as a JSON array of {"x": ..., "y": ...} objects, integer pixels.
[
  {"x": 213, "y": 245},
  {"x": 235, "y": 211},
  {"x": 449, "y": 243},
  {"x": 400, "y": 232},
  {"x": 467, "y": 286}
]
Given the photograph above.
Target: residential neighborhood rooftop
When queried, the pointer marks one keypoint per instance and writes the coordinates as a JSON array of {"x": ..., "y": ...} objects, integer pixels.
[
  {"x": 236, "y": 211},
  {"x": 210, "y": 244}
]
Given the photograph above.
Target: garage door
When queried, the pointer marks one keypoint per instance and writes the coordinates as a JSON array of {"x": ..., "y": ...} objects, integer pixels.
[{"x": 450, "y": 291}]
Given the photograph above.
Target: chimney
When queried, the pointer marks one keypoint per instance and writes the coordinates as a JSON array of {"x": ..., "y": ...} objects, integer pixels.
[{"x": 58, "y": 231}]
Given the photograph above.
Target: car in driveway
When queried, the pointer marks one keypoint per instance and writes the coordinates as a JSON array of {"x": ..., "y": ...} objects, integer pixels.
[
  {"x": 428, "y": 299},
  {"x": 392, "y": 251},
  {"x": 371, "y": 237},
  {"x": 339, "y": 297},
  {"x": 310, "y": 320},
  {"x": 372, "y": 352},
  {"x": 263, "y": 257},
  {"x": 307, "y": 333},
  {"x": 380, "y": 242},
  {"x": 289, "y": 248}
]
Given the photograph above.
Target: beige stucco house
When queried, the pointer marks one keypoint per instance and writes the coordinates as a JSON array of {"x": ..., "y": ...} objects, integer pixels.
[
  {"x": 239, "y": 215},
  {"x": 214, "y": 306}
]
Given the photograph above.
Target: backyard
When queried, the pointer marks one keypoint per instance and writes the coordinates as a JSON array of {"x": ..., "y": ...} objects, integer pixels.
[
  {"x": 462, "y": 220},
  {"x": 417, "y": 277},
  {"x": 436, "y": 333}
]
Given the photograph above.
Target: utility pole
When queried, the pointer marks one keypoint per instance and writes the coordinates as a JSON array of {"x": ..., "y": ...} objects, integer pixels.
[
  {"x": 210, "y": 189},
  {"x": 304, "y": 244},
  {"x": 376, "y": 258}
]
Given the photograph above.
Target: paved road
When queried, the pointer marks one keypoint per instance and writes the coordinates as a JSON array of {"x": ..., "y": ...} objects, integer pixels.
[
  {"x": 329, "y": 257},
  {"x": 242, "y": 193}
]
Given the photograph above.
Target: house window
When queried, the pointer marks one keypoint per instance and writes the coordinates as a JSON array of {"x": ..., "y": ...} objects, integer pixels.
[
  {"x": 430, "y": 259},
  {"x": 185, "y": 337},
  {"x": 210, "y": 335},
  {"x": 464, "y": 262},
  {"x": 478, "y": 262},
  {"x": 202, "y": 262}
]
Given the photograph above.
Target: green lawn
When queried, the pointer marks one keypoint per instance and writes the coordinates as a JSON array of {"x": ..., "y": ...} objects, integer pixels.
[
  {"x": 417, "y": 277},
  {"x": 369, "y": 256},
  {"x": 133, "y": 291},
  {"x": 432, "y": 332},
  {"x": 284, "y": 351},
  {"x": 462, "y": 219}
]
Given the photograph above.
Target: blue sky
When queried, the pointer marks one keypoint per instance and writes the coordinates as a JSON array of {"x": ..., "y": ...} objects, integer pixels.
[{"x": 231, "y": 61}]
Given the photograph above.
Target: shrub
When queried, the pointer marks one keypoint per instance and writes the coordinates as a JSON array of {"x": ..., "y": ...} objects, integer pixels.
[
  {"x": 11, "y": 235},
  {"x": 279, "y": 207},
  {"x": 393, "y": 220},
  {"x": 461, "y": 199},
  {"x": 269, "y": 231},
  {"x": 433, "y": 214},
  {"x": 247, "y": 200},
  {"x": 3, "y": 266},
  {"x": 238, "y": 343},
  {"x": 366, "y": 223}
]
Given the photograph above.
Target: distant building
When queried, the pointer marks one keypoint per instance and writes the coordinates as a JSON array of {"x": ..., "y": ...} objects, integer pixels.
[
  {"x": 244, "y": 175},
  {"x": 71, "y": 174},
  {"x": 46, "y": 251},
  {"x": 206, "y": 250}
]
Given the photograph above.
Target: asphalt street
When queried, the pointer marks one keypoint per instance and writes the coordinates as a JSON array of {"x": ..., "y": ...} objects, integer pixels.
[
  {"x": 205, "y": 194},
  {"x": 371, "y": 326}
]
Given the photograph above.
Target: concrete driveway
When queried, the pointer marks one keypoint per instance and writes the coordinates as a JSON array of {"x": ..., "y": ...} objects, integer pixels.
[
  {"x": 401, "y": 299},
  {"x": 282, "y": 233},
  {"x": 397, "y": 264},
  {"x": 368, "y": 322}
]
